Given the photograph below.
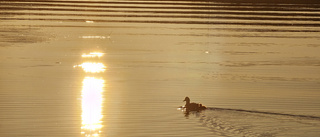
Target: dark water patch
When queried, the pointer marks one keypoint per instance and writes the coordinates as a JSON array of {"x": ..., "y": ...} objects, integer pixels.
[
  {"x": 230, "y": 29},
  {"x": 169, "y": 12},
  {"x": 260, "y": 1},
  {"x": 164, "y": 16},
  {"x": 175, "y": 22},
  {"x": 272, "y": 1},
  {"x": 314, "y": 4},
  {"x": 207, "y": 7},
  {"x": 18, "y": 35},
  {"x": 83, "y": 26}
]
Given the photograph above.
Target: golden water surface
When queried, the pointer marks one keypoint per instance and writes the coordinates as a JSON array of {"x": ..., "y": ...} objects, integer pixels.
[{"x": 121, "y": 68}]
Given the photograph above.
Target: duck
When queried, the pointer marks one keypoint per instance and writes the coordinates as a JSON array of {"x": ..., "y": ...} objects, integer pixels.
[{"x": 193, "y": 106}]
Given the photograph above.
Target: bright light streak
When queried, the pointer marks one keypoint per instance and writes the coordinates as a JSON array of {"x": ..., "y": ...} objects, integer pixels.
[
  {"x": 89, "y": 21},
  {"x": 92, "y": 55},
  {"x": 93, "y": 37},
  {"x": 92, "y": 67},
  {"x": 92, "y": 106}
]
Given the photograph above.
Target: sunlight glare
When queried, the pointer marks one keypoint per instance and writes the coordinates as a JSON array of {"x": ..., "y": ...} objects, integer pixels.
[
  {"x": 93, "y": 37},
  {"x": 92, "y": 67},
  {"x": 92, "y": 106},
  {"x": 92, "y": 55},
  {"x": 89, "y": 21}
]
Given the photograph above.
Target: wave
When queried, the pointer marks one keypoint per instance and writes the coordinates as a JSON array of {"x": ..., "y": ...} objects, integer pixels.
[
  {"x": 216, "y": 12},
  {"x": 186, "y": 11},
  {"x": 173, "y": 22},
  {"x": 160, "y": 6},
  {"x": 251, "y": 123},
  {"x": 265, "y": 112},
  {"x": 163, "y": 16}
]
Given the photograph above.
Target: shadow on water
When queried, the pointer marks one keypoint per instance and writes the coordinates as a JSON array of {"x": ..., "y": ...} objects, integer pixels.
[{"x": 187, "y": 113}]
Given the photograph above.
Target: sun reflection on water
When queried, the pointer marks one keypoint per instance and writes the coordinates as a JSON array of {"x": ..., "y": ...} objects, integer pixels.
[
  {"x": 92, "y": 106},
  {"x": 92, "y": 89},
  {"x": 92, "y": 67},
  {"x": 92, "y": 55}
]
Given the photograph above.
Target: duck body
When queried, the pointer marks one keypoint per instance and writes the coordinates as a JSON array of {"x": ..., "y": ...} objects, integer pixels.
[{"x": 193, "y": 106}]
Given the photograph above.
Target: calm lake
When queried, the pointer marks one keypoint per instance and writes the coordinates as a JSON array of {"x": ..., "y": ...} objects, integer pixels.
[{"x": 107, "y": 68}]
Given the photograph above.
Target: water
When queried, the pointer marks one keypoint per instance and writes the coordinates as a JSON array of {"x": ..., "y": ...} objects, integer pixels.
[{"x": 121, "y": 68}]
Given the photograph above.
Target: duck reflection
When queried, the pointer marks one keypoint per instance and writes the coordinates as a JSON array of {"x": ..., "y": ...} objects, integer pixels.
[{"x": 92, "y": 106}]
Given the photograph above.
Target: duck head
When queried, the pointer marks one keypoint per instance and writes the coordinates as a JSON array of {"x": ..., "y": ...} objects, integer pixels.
[{"x": 187, "y": 100}]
